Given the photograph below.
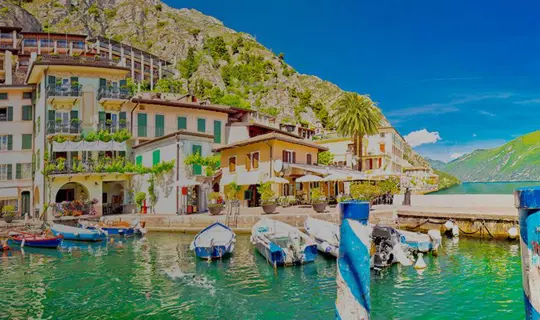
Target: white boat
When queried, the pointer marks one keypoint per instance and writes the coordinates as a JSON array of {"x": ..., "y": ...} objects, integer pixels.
[
  {"x": 325, "y": 233},
  {"x": 214, "y": 242},
  {"x": 78, "y": 234},
  {"x": 421, "y": 242},
  {"x": 282, "y": 244}
]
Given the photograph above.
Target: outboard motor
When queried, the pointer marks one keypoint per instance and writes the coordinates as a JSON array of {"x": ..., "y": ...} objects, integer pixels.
[
  {"x": 384, "y": 238},
  {"x": 294, "y": 245}
]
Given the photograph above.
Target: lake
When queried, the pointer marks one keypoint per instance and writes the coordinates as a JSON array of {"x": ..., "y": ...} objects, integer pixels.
[{"x": 487, "y": 187}]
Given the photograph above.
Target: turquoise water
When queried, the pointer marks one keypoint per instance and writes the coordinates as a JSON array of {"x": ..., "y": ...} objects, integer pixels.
[
  {"x": 471, "y": 279},
  {"x": 487, "y": 187}
]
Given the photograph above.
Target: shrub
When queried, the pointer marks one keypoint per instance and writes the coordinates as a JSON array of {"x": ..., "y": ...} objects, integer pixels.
[
  {"x": 317, "y": 196},
  {"x": 139, "y": 199},
  {"x": 365, "y": 191},
  {"x": 267, "y": 194},
  {"x": 325, "y": 158},
  {"x": 231, "y": 191}
]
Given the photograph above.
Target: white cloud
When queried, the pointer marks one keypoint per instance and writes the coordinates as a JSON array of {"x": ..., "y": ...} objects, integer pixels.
[
  {"x": 486, "y": 113},
  {"x": 474, "y": 134},
  {"x": 456, "y": 155},
  {"x": 420, "y": 137}
]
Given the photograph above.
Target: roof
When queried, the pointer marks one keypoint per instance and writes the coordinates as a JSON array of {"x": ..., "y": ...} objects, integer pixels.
[
  {"x": 183, "y": 104},
  {"x": 271, "y": 136},
  {"x": 179, "y": 132},
  {"x": 246, "y": 124}
]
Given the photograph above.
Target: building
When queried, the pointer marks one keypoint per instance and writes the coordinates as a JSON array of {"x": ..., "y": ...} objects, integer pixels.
[{"x": 252, "y": 161}]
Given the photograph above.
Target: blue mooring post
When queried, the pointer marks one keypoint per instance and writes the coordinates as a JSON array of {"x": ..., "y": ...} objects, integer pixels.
[
  {"x": 527, "y": 200},
  {"x": 353, "y": 274}
]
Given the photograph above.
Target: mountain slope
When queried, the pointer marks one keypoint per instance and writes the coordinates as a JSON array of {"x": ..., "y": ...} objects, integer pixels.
[
  {"x": 517, "y": 160},
  {"x": 436, "y": 164}
]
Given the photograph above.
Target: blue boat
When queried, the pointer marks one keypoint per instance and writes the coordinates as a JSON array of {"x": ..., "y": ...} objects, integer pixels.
[
  {"x": 35, "y": 240},
  {"x": 282, "y": 244},
  {"x": 78, "y": 234},
  {"x": 111, "y": 230},
  {"x": 214, "y": 242}
]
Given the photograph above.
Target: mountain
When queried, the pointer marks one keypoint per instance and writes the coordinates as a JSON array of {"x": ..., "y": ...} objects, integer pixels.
[
  {"x": 436, "y": 164},
  {"x": 517, "y": 160}
]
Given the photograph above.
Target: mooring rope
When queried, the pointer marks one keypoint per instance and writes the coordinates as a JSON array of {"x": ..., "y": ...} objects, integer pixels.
[
  {"x": 423, "y": 223},
  {"x": 484, "y": 224}
]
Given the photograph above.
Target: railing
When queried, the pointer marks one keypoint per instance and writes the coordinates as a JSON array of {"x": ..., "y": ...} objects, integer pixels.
[
  {"x": 71, "y": 166},
  {"x": 3, "y": 117},
  {"x": 113, "y": 127},
  {"x": 78, "y": 45},
  {"x": 154, "y": 132},
  {"x": 113, "y": 93},
  {"x": 64, "y": 90},
  {"x": 6, "y": 36},
  {"x": 72, "y": 127},
  {"x": 96, "y": 60}
]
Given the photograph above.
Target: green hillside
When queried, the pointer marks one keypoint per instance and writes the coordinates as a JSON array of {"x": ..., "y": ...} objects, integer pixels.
[{"x": 517, "y": 160}]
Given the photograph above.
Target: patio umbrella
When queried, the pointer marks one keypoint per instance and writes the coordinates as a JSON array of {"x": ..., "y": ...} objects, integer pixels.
[
  {"x": 336, "y": 176},
  {"x": 309, "y": 178},
  {"x": 278, "y": 180}
]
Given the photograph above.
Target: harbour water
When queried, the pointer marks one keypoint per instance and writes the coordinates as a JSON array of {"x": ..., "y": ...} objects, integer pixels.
[
  {"x": 471, "y": 279},
  {"x": 487, "y": 187}
]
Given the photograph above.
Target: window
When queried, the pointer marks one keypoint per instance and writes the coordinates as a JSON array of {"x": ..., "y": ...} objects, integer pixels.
[
  {"x": 255, "y": 160},
  {"x": 27, "y": 113},
  {"x": 141, "y": 123},
  {"x": 5, "y": 172},
  {"x": 160, "y": 125},
  {"x": 382, "y": 134},
  {"x": 217, "y": 131},
  {"x": 201, "y": 125},
  {"x": 26, "y": 141},
  {"x": 6, "y": 114},
  {"x": 308, "y": 158},
  {"x": 6, "y": 142},
  {"x": 61, "y": 44},
  {"x": 156, "y": 157},
  {"x": 30, "y": 43},
  {"x": 27, "y": 95},
  {"x": 289, "y": 156},
  {"x": 138, "y": 160},
  {"x": 23, "y": 171},
  {"x": 3, "y": 96},
  {"x": 182, "y": 123},
  {"x": 232, "y": 164}
]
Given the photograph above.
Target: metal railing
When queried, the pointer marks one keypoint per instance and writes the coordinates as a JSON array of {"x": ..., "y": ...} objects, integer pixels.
[
  {"x": 72, "y": 166},
  {"x": 113, "y": 93},
  {"x": 96, "y": 60},
  {"x": 54, "y": 90},
  {"x": 3, "y": 117},
  {"x": 72, "y": 127},
  {"x": 113, "y": 127}
]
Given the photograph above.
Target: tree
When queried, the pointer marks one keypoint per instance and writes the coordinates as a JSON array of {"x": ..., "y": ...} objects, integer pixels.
[
  {"x": 281, "y": 56},
  {"x": 325, "y": 158},
  {"x": 356, "y": 116}
]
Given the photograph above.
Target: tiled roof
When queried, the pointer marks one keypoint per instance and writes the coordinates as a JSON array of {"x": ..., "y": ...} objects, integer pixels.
[{"x": 271, "y": 136}]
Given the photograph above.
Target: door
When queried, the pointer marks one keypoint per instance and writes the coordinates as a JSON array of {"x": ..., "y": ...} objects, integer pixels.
[
  {"x": 25, "y": 203},
  {"x": 197, "y": 169}
]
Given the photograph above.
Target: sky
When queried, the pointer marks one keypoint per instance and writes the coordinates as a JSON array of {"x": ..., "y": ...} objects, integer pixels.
[{"x": 451, "y": 76}]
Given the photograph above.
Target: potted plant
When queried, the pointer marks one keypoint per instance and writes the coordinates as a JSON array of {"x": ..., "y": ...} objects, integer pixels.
[
  {"x": 140, "y": 197},
  {"x": 9, "y": 213},
  {"x": 268, "y": 198},
  {"x": 216, "y": 203},
  {"x": 318, "y": 200}
]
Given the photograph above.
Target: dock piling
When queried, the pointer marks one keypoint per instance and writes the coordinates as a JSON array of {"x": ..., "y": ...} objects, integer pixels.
[
  {"x": 527, "y": 200},
  {"x": 353, "y": 268}
]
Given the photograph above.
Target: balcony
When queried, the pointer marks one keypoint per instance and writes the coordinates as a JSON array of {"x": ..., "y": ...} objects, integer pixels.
[
  {"x": 116, "y": 165},
  {"x": 60, "y": 127},
  {"x": 63, "y": 93},
  {"x": 112, "y": 127},
  {"x": 113, "y": 94}
]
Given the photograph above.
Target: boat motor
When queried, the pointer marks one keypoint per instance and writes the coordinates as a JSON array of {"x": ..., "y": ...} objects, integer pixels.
[{"x": 384, "y": 238}]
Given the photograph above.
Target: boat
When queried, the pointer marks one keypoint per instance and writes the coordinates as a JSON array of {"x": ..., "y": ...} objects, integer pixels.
[
  {"x": 325, "y": 233},
  {"x": 282, "y": 244},
  {"x": 421, "y": 242},
  {"x": 389, "y": 248},
  {"x": 35, "y": 240},
  {"x": 79, "y": 234},
  {"x": 214, "y": 242},
  {"x": 118, "y": 230}
]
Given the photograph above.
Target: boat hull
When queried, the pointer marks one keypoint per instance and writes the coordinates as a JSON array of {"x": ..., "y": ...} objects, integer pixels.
[
  {"x": 216, "y": 241},
  {"x": 216, "y": 252},
  {"x": 275, "y": 255},
  {"x": 41, "y": 243},
  {"x": 116, "y": 231},
  {"x": 71, "y": 233}
]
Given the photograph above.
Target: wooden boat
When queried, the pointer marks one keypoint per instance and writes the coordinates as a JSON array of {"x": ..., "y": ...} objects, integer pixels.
[
  {"x": 79, "y": 234},
  {"x": 325, "y": 233},
  {"x": 282, "y": 244},
  {"x": 35, "y": 240},
  {"x": 214, "y": 242}
]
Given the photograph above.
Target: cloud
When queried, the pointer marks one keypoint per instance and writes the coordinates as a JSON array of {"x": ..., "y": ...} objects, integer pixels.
[
  {"x": 450, "y": 150},
  {"x": 446, "y": 107},
  {"x": 486, "y": 113},
  {"x": 456, "y": 155},
  {"x": 420, "y": 137},
  {"x": 474, "y": 134},
  {"x": 530, "y": 101}
]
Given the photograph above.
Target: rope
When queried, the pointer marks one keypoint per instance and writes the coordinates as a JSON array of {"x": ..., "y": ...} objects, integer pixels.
[
  {"x": 465, "y": 232},
  {"x": 427, "y": 221},
  {"x": 484, "y": 224}
]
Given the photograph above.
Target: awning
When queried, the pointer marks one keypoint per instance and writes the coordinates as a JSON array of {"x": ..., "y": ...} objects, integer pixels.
[
  {"x": 278, "y": 180},
  {"x": 309, "y": 178},
  {"x": 350, "y": 175},
  {"x": 10, "y": 193},
  {"x": 89, "y": 146}
]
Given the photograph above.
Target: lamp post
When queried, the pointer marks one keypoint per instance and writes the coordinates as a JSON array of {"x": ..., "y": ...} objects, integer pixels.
[
  {"x": 353, "y": 268},
  {"x": 527, "y": 200}
]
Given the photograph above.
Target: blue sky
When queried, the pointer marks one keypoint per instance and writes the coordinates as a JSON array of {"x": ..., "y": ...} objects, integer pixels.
[{"x": 464, "y": 74}]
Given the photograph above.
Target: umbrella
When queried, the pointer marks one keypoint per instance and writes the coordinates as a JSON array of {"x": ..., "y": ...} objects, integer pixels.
[
  {"x": 277, "y": 180},
  {"x": 309, "y": 178},
  {"x": 337, "y": 177}
]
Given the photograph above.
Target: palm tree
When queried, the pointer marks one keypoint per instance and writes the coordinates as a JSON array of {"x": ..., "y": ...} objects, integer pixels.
[{"x": 356, "y": 116}]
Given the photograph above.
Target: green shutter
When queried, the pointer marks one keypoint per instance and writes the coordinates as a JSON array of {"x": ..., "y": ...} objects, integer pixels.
[
  {"x": 138, "y": 160},
  {"x": 101, "y": 116},
  {"x": 156, "y": 155},
  {"x": 141, "y": 124},
  {"x": 102, "y": 83},
  {"x": 197, "y": 168},
  {"x": 160, "y": 125},
  {"x": 10, "y": 113},
  {"x": 123, "y": 115},
  {"x": 10, "y": 142},
  {"x": 122, "y": 83},
  {"x": 182, "y": 123},
  {"x": 3, "y": 96},
  {"x": 27, "y": 113},
  {"x": 217, "y": 131},
  {"x": 74, "y": 79},
  {"x": 18, "y": 171},
  {"x": 51, "y": 80},
  {"x": 9, "y": 171},
  {"x": 52, "y": 116},
  {"x": 26, "y": 141},
  {"x": 201, "y": 125}
]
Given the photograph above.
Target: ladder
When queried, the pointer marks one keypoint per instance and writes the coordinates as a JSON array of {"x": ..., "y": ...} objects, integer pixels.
[{"x": 233, "y": 210}]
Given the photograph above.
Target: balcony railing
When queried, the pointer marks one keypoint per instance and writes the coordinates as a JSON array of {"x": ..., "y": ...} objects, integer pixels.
[
  {"x": 83, "y": 60},
  {"x": 103, "y": 165},
  {"x": 3, "y": 117},
  {"x": 113, "y": 93},
  {"x": 72, "y": 127},
  {"x": 113, "y": 127},
  {"x": 64, "y": 90}
]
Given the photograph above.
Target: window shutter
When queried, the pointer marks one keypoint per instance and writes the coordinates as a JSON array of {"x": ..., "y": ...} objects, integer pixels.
[
  {"x": 197, "y": 168},
  {"x": 182, "y": 123},
  {"x": 248, "y": 162},
  {"x": 102, "y": 83},
  {"x": 284, "y": 156},
  {"x": 293, "y": 157},
  {"x": 101, "y": 116},
  {"x": 26, "y": 113},
  {"x": 10, "y": 171},
  {"x": 18, "y": 171},
  {"x": 26, "y": 141},
  {"x": 156, "y": 157},
  {"x": 141, "y": 124},
  {"x": 10, "y": 113},
  {"x": 10, "y": 142},
  {"x": 122, "y": 83},
  {"x": 138, "y": 160},
  {"x": 217, "y": 131},
  {"x": 201, "y": 125},
  {"x": 51, "y": 80},
  {"x": 74, "y": 114},
  {"x": 74, "y": 79},
  {"x": 160, "y": 124},
  {"x": 52, "y": 115},
  {"x": 308, "y": 158},
  {"x": 123, "y": 115}
]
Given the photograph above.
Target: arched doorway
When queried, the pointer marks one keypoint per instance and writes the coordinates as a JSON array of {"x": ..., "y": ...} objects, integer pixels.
[{"x": 71, "y": 191}]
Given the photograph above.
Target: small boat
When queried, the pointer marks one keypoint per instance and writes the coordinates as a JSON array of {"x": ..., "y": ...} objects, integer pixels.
[
  {"x": 388, "y": 248},
  {"x": 282, "y": 244},
  {"x": 35, "y": 240},
  {"x": 79, "y": 234},
  {"x": 214, "y": 242},
  {"x": 421, "y": 242},
  {"x": 123, "y": 230},
  {"x": 325, "y": 233}
]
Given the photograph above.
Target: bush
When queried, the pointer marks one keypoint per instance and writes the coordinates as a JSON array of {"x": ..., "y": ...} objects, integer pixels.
[
  {"x": 8, "y": 210},
  {"x": 139, "y": 199},
  {"x": 267, "y": 194},
  {"x": 232, "y": 190},
  {"x": 317, "y": 196},
  {"x": 365, "y": 191},
  {"x": 325, "y": 158}
]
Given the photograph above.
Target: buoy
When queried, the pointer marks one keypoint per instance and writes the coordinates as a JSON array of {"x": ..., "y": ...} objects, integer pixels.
[
  {"x": 455, "y": 230},
  {"x": 420, "y": 264},
  {"x": 448, "y": 225},
  {"x": 512, "y": 233}
]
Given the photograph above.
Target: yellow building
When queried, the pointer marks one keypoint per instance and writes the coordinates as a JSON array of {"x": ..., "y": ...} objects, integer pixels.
[{"x": 260, "y": 158}]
